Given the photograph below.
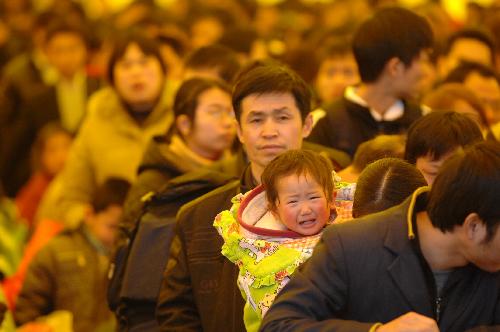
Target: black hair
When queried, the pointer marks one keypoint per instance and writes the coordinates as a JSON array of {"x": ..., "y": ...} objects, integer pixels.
[
  {"x": 218, "y": 57},
  {"x": 112, "y": 192},
  {"x": 147, "y": 45},
  {"x": 438, "y": 133},
  {"x": 469, "y": 182},
  {"x": 61, "y": 26},
  {"x": 479, "y": 35},
  {"x": 186, "y": 98},
  {"x": 385, "y": 183},
  {"x": 264, "y": 77},
  {"x": 392, "y": 32},
  {"x": 381, "y": 146},
  {"x": 465, "y": 68}
]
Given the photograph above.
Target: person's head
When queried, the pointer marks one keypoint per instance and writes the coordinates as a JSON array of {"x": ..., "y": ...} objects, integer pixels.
[
  {"x": 472, "y": 45},
  {"x": 214, "y": 61},
  {"x": 51, "y": 148},
  {"x": 393, "y": 44},
  {"x": 272, "y": 105},
  {"x": 337, "y": 70},
  {"x": 385, "y": 183},
  {"x": 437, "y": 136},
  {"x": 465, "y": 198},
  {"x": 484, "y": 82},
  {"x": 107, "y": 207},
  {"x": 381, "y": 146},
  {"x": 136, "y": 70},
  {"x": 204, "y": 116},
  {"x": 66, "y": 47},
  {"x": 299, "y": 190},
  {"x": 457, "y": 97}
]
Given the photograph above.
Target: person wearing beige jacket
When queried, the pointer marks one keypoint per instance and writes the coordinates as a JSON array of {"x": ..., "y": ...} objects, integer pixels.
[{"x": 121, "y": 120}]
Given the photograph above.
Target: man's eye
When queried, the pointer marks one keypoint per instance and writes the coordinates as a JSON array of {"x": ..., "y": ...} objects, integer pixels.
[{"x": 255, "y": 120}]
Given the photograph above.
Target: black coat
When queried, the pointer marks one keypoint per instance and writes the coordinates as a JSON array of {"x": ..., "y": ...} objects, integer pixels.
[
  {"x": 370, "y": 271},
  {"x": 347, "y": 124}
]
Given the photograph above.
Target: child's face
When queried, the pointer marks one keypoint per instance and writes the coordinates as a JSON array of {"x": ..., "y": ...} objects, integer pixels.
[
  {"x": 55, "y": 152},
  {"x": 302, "y": 206}
]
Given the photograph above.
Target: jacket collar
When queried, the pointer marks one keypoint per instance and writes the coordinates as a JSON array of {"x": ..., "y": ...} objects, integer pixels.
[{"x": 406, "y": 269}]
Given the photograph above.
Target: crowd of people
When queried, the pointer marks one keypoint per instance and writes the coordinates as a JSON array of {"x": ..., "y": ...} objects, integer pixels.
[{"x": 249, "y": 166}]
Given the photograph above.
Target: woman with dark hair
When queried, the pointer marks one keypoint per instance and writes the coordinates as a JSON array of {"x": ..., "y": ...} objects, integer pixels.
[
  {"x": 121, "y": 120},
  {"x": 385, "y": 183},
  {"x": 203, "y": 133}
]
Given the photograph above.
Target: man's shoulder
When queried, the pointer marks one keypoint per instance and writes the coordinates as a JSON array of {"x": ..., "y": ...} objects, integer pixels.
[{"x": 216, "y": 199}]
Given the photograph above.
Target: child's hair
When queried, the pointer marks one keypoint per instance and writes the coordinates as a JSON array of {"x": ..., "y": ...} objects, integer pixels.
[
  {"x": 298, "y": 162},
  {"x": 44, "y": 134},
  {"x": 385, "y": 183},
  {"x": 112, "y": 192}
]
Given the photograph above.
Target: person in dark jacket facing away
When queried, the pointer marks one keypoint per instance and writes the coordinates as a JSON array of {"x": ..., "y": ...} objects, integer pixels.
[
  {"x": 199, "y": 292},
  {"x": 69, "y": 273},
  {"x": 429, "y": 264},
  {"x": 390, "y": 49}
]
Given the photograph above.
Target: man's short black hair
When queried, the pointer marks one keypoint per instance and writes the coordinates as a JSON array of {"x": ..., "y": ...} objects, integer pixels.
[
  {"x": 465, "y": 68},
  {"x": 469, "y": 182},
  {"x": 438, "y": 133},
  {"x": 112, "y": 192},
  {"x": 218, "y": 57},
  {"x": 392, "y": 33},
  {"x": 265, "y": 77},
  {"x": 479, "y": 35},
  {"x": 147, "y": 45},
  {"x": 61, "y": 26}
]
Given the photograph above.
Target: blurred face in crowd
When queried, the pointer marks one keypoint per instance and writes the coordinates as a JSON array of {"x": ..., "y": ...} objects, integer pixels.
[
  {"x": 214, "y": 127},
  {"x": 465, "y": 49},
  {"x": 408, "y": 79},
  {"x": 429, "y": 166},
  {"x": 206, "y": 31},
  {"x": 104, "y": 224},
  {"x": 488, "y": 91},
  {"x": 55, "y": 152},
  {"x": 269, "y": 125},
  {"x": 138, "y": 77},
  {"x": 334, "y": 75},
  {"x": 67, "y": 52},
  {"x": 302, "y": 204}
]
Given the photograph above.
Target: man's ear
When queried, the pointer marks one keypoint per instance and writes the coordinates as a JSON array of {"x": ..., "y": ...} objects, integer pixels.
[
  {"x": 394, "y": 67},
  {"x": 239, "y": 133},
  {"x": 475, "y": 229},
  {"x": 307, "y": 126},
  {"x": 183, "y": 124}
]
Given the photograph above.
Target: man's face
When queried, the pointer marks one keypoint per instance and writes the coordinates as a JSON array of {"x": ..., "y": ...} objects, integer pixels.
[
  {"x": 461, "y": 51},
  {"x": 429, "y": 166},
  {"x": 334, "y": 75},
  {"x": 409, "y": 80},
  {"x": 269, "y": 125},
  {"x": 488, "y": 91},
  {"x": 67, "y": 52}
]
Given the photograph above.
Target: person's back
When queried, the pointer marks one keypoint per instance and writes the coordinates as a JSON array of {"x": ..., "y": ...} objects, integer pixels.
[
  {"x": 69, "y": 273},
  {"x": 390, "y": 77}
]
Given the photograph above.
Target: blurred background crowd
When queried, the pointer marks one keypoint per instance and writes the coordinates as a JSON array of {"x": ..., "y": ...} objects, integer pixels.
[{"x": 83, "y": 91}]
